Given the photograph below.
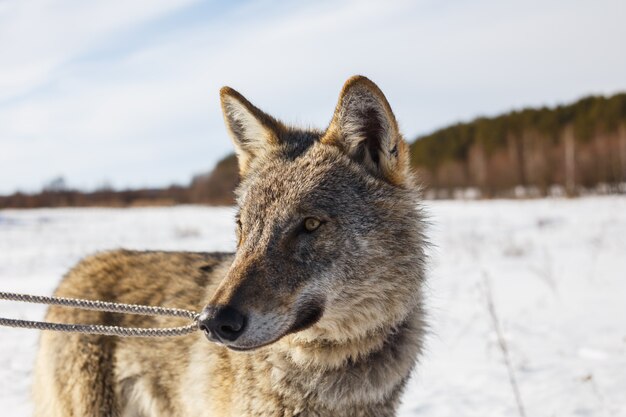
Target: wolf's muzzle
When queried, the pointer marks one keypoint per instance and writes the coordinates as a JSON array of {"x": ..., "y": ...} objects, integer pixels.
[{"x": 222, "y": 323}]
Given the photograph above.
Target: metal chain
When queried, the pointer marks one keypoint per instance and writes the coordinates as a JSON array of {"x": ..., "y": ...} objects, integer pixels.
[{"x": 102, "y": 306}]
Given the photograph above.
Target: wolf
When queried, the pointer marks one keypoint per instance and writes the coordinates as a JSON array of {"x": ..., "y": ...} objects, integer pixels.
[{"x": 319, "y": 312}]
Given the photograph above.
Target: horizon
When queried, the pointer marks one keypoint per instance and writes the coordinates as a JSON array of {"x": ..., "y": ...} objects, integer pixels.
[{"x": 127, "y": 95}]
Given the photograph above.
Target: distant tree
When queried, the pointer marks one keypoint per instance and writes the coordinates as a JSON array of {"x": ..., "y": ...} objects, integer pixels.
[{"x": 55, "y": 185}]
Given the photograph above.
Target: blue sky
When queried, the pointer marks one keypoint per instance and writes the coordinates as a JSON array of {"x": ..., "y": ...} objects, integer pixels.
[{"x": 126, "y": 92}]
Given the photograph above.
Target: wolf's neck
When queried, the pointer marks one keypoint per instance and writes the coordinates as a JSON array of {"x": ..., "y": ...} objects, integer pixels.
[{"x": 370, "y": 369}]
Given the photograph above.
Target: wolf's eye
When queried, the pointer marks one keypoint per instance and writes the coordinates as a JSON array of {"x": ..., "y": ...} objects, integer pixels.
[{"x": 311, "y": 224}]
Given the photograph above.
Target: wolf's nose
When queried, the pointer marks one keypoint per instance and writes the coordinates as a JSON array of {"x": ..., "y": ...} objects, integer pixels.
[{"x": 223, "y": 323}]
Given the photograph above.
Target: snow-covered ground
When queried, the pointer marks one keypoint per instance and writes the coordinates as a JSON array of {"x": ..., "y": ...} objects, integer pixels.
[{"x": 555, "y": 269}]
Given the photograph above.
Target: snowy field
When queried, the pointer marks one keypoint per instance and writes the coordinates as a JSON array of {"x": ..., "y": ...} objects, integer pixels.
[{"x": 554, "y": 271}]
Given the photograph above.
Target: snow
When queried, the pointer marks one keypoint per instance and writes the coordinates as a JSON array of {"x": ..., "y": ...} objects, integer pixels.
[{"x": 556, "y": 271}]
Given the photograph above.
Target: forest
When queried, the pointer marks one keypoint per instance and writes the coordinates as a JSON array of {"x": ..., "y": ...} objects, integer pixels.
[{"x": 574, "y": 148}]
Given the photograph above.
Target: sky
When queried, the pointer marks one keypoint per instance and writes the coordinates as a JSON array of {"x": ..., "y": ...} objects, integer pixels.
[{"x": 125, "y": 93}]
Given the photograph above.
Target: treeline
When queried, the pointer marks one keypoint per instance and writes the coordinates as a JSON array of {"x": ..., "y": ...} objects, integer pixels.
[
  {"x": 532, "y": 152},
  {"x": 577, "y": 147},
  {"x": 101, "y": 198},
  {"x": 214, "y": 188}
]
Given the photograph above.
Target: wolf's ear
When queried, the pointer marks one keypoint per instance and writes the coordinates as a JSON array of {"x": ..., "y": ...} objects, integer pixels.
[
  {"x": 366, "y": 129},
  {"x": 253, "y": 132}
]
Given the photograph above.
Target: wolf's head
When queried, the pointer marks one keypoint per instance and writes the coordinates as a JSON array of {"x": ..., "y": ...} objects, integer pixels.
[{"x": 330, "y": 235}]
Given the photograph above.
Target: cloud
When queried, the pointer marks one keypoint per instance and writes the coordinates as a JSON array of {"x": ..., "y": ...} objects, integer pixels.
[
  {"x": 40, "y": 36},
  {"x": 128, "y": 94}
]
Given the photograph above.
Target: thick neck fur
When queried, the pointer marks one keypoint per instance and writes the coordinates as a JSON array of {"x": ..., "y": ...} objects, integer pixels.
[{"x": 361, "y": 372}]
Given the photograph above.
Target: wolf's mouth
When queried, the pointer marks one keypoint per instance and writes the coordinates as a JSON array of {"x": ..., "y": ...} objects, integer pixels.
[{"x": 308, "y": 315}]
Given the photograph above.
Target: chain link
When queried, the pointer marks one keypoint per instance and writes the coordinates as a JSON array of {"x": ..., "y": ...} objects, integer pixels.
[{"x": 102, "y": 306}]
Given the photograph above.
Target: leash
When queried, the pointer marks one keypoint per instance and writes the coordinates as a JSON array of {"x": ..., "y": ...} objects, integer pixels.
[{"x": 102, "y": 306}]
